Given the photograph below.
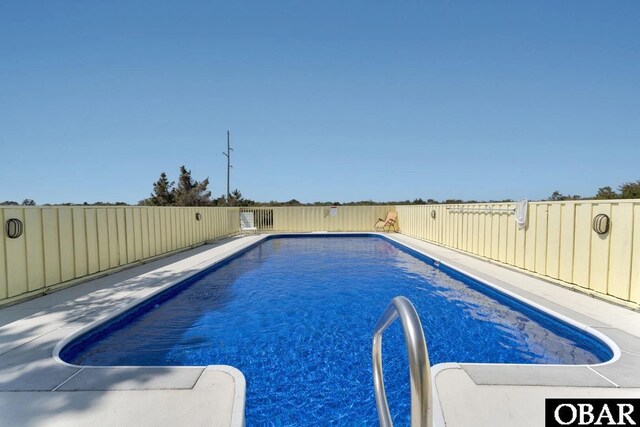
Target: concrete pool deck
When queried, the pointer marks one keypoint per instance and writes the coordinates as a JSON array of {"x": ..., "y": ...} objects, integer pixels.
[{"x": 37, "y": 389}]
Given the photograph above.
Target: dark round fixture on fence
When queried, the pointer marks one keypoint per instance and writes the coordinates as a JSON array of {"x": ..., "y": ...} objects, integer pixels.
[
  {"x": 198, "y": 216},
  {"x": 433, "y": 214},
  {"x": 14, "y": 228},
  {"x": 601, "y": 223}
]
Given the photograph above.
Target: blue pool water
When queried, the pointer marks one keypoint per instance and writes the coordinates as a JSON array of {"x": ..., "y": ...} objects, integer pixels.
[{"x": 296, "y": 316}]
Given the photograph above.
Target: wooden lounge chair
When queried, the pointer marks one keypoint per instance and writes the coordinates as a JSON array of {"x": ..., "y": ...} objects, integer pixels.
[{"x": 388, "y": 223}]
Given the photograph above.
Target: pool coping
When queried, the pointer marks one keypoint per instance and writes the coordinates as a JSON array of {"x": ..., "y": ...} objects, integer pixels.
[{"x": 626, "y": 357}]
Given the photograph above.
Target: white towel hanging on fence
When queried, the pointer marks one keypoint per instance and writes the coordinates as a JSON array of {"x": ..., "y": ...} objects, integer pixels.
[{"x": 521, "y": 213}]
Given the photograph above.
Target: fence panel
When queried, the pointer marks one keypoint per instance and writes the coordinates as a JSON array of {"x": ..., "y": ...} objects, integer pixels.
[
  {"x": 558, "y": 240},
  {"x": 51, "y": 233},
  {"x": 16, "y": 257},
  {"x": 34, "y": 247},
  {"x": 621, "y": 245},
  {"x": 60, "y": 244},
  {"x": 567, "y": 238},
  {"x": 635, "y": 258},
  {"x": 320, "y": 218},
  {"x": 582, "y": 245}
]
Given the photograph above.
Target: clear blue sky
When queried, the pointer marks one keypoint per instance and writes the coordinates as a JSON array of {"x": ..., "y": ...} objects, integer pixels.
[{"x": 325, "y": 100}]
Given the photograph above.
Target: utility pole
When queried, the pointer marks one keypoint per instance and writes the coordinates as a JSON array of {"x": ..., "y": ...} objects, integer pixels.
[{"x": 228, "y": 154}]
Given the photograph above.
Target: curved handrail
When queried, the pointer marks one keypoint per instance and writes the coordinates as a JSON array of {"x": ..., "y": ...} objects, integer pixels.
[{"x": 418, "y": 363}]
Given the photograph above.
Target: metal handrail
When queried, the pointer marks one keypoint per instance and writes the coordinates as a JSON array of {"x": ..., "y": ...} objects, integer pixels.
[{"x": 418, "y": 363}]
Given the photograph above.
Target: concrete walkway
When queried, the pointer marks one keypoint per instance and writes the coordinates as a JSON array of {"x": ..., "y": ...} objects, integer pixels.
[{"x": 38, "y": 389}]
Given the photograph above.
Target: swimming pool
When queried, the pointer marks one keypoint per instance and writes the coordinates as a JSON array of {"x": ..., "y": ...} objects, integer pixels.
[{"x": 296, "y": 315}]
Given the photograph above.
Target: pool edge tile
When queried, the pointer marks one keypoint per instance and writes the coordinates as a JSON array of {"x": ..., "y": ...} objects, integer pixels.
[
  {"x": 133, "y": 378},
  {"x": 43, "y": 374},
  {"x": 621, "y": 371},
  {"x": 534, "y": 375}
]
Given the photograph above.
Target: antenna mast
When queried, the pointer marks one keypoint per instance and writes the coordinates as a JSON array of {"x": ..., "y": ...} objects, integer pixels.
[{"x": 228, "y": 154}]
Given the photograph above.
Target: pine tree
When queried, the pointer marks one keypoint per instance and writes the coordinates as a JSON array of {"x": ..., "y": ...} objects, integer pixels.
[
  {"x": 163, "y": 192},
  {"x": 235, "y": 198},
  {"x": 190, "y": 192}
]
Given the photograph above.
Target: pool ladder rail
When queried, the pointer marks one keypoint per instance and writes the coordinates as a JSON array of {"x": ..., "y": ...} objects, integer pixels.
[{"x": 420, "y": 372}]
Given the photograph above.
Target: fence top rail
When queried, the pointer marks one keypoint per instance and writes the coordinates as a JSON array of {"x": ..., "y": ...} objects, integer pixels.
[{"x": 540, "y": 202}]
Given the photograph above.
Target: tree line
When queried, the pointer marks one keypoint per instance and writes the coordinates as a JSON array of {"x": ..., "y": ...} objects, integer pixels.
[
  {"x": 190, "y": 192},
  {"x": 628, "y": 190},
  {"x": 25, "y": 202}
]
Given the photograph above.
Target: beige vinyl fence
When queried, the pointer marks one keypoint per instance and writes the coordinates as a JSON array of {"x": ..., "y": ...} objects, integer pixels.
[
  {"x": 60, "y": 244},
  {"x": 558, "y": 241},
  {"x": 318, "y": 218}
]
